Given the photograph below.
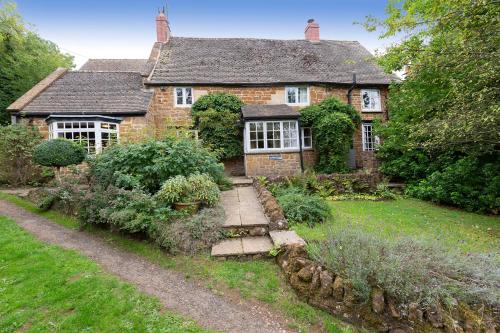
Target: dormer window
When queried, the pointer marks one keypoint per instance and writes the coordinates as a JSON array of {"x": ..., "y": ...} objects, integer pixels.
[
  {"x": 370, "y": 100},
  {"x": 183, "y": 96},
  {"x": 297, "y": 95}
]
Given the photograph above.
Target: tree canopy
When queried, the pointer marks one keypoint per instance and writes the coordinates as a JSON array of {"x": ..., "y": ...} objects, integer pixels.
[
  {"x": 25, "y": 58},
  {"x": 445, "y": 113}
]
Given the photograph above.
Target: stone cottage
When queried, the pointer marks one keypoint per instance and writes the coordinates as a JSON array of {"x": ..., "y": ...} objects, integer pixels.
[{"x": 113, "y": 100}]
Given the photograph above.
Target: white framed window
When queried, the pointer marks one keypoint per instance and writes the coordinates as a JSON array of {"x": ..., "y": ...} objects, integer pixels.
[
  {"x": 370, "y": 140},
  {"x": 183, "y": 96},
  {"x": 272, "y": 135},
  {"x": 297, "y": 95},
  {"x": 370, "y": 100},
  {"x": 306, "y": 137},
  {"x": 93, "y": 135}
]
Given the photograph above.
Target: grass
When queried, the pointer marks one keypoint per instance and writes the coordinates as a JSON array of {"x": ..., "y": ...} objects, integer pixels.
[
  {"x": 258, "y": 280},
  {"x": 48, "y": 289},
  {"x": 452, "y": 228}
]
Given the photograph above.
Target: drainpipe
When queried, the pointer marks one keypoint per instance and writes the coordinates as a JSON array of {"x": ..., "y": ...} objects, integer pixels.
[
  {"x": 349, "y": 92},
  {"x": 300, "y": 147}
]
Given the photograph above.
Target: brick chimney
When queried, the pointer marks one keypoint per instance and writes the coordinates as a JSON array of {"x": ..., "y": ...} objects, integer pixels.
[
  {"x": 312, "y": 30},
  {"x": 162, "y": 27}
]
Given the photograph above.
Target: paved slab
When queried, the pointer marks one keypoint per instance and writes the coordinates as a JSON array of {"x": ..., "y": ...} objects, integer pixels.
[
  {"x": 242, "y": 208},
  {"x": 286, "y": 237},
  {"x": 257, "y": 245},
  {"x": 241, "y": 181},
  {"x": 229, "y": 247}
]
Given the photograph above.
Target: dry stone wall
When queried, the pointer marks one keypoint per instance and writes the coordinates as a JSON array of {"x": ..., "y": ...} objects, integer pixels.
[{"x": 329, "y": 291}]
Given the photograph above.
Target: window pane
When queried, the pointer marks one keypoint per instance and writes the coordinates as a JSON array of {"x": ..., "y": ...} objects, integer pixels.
[
  {"x": 366, "y": 100},
  {"x": 302, "y": 95},
  {"x": 69, "y": 135},
  {"x": 60, "y": 135},
  {"x": 307, "y": 142},
  {"x": 91, "y": 125},
  {"x": 60, "y": 125},
  {"x": 83, "y": 125},
  {"x": 189, "y": 96},
  {"x": 291, "y": 95},
  {"x": 179, "y": 94},
  {"x": 67, "y": 125}
]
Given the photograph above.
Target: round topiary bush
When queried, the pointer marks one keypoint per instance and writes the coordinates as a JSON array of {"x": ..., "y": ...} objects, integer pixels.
[{"x": 58, "y": 153}]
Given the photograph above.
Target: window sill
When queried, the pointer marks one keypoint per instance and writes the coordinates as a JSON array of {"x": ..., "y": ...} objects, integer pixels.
[
  {"x": 183, "y": 106},
  {"x": 276, "y": 151},
  {"x": 371, "y": 111},
  {"x": 298, "y": 104}
]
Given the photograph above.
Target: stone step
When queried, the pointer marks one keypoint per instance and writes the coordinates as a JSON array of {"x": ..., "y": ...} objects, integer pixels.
[
  {"x": 246, "y": 246},
  {"x": 241, "y": 181},
  {"x": 286, "y": 237},
  {"x": 243, "y": 231}
]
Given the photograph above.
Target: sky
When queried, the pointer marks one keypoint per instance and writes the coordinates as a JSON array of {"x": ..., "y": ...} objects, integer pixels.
[{"x": 126, "y": 28}]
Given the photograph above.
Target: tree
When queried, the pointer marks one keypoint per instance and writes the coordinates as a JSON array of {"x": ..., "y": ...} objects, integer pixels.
[
  {"x": 445, "y": 112},
  {"x": 58, "y": 153},
  {"x": 25, "y": 58},
  {"x": 217, "y": 119}
]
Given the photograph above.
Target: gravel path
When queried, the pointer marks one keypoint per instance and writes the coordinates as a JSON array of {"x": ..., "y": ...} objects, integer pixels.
[{"x": 173, "y": 290}]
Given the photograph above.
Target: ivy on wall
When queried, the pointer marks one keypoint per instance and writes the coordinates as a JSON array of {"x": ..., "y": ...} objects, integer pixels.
[
  {"x": 333, "y": 124},
  {"x": 217, "y": 117}
]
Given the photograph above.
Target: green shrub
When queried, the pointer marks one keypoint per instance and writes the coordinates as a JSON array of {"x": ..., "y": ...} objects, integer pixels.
[
  {"x": 148, "y": 165},
  {"x": 218, "y": 102},
  {"x": 132, "y": 211},
  {"x": 333, "y": 124},
  {"x": 217, "y": 118},
  {"x": 221, "y": 131},
  {"x": 469, "y": 183},
  {"x": 58, "y": 153},
  {"x": 302, "y": 208},
  {"x": 16, "y": 150},
  {"x": 191, "y": 235},
  {"x": 407, "y": 269},
  {"x": 197, "y": 187}
]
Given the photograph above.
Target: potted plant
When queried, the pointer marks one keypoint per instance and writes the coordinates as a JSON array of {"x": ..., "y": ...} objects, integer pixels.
[{"x": 188, "y": 193}]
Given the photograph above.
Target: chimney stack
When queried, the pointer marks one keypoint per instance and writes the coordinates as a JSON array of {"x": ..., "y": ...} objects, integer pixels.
[
  {"x": 162, "y": 27},
  {"x": 312, "y": 30}
]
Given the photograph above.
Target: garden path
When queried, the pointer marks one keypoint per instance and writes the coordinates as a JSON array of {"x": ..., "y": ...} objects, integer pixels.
[
  {"x": 173, "y": 290},
  {"x": 244, "y": 216}
]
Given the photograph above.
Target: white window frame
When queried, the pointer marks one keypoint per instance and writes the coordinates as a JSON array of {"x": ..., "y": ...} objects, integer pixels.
[
  {"x": 309, "y": 136},
  {"x": 296, "y": 88},
  {"x": 378, "y": 100},
  {"x": 184, "y": 97},
  {"x": 54, "y": 131},
  {"x": 264, "y": 127},
  {"x": 371, "y": 145}
]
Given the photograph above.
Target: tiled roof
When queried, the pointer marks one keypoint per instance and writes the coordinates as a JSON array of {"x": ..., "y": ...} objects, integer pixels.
[
  {"x": 261, "y": 111},
  {"x": 92, "y": 93},
  {"x": 117, "y": 65},
  {"x": 37, "y": 89},
  {"x": 263, "y": 61}
]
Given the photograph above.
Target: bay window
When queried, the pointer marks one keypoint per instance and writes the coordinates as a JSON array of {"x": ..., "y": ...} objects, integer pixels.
[
  {"x": 276, "y": 135},
  {"x": 94, "y": 135},
  {"x": 306, "y": 137}
]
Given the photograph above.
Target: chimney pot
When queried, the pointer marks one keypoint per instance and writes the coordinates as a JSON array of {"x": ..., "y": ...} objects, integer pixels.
[{"x": 312, "y": 30}]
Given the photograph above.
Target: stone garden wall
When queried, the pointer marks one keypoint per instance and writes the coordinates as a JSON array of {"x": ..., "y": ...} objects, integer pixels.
[{"x": 327, "y": 290}]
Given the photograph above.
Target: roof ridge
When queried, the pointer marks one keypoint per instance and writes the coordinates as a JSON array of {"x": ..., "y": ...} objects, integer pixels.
[
  {"x": 269, "y": 39},
  {"x": 120, "y": 59}
]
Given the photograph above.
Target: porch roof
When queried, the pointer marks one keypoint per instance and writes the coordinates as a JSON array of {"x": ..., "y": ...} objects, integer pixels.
[{"x": 262, "y": 111}]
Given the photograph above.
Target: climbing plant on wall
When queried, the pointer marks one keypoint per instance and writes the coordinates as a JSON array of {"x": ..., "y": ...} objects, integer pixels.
[
  {"x": 217, "y": 117},
  {"x": 333, "y": 124}
]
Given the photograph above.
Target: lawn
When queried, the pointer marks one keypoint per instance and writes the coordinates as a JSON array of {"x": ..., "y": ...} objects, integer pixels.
[
  {"x": 48, "y": 289},
  {"x": 404, "y": 217},
  {"x": 259, "y": 280}
]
